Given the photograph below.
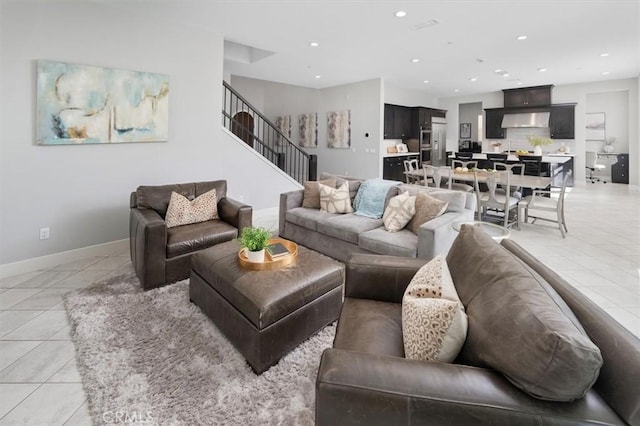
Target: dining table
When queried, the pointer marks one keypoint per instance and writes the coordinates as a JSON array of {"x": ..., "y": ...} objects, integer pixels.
[{"x": 523, "y": 181}]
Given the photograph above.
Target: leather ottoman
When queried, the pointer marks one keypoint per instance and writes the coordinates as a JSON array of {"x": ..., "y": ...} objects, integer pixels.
[{"x": 265, "y": 314}]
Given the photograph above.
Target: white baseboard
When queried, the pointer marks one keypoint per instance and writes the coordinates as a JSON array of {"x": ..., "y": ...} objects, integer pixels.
[{"x": 51, "y": 260}]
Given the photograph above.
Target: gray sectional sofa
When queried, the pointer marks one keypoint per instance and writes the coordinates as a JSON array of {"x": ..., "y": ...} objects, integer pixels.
[{"x": 340, "y": 235}]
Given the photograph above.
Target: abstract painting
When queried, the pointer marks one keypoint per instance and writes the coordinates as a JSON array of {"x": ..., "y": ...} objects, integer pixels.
[
  {"x": 308, "y": 130},
  {"x": 595, "y": 126},
  {"x": 283, "y": 123},
  {"x": 82, "y": 104},
  {"x": 339, "y": 129}
]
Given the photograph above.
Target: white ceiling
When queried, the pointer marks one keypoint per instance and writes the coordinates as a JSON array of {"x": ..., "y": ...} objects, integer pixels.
[{"x": 360, "y": 40}]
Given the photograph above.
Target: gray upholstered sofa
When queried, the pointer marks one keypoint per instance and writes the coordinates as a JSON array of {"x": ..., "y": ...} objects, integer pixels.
[
  {"x": 340, "y": 235},
  {"x": 365, "y": 378}
]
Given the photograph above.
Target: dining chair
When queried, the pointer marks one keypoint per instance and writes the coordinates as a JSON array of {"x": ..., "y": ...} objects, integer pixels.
[
  {"x": 499, "y": 203},
  {"x": 517, "y": 168},
  {"x": 591, "y": 161},
  {"x": 412, "y": 166},
  {"x": 544, "y": 200},
  {"x": 464, "y": 155},
  {"x": 462, "y": 163},
  {"x": 443, "y": 178}
]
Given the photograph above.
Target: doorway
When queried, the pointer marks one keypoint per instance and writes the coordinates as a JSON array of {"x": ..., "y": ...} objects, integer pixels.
[{"x": 242, "y": 127}]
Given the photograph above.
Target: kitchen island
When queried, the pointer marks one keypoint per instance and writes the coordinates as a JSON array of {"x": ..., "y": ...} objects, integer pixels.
[{"x": 558, "y": 164}]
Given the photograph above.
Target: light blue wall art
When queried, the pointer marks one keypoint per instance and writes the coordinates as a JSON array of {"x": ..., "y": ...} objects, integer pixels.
[{"x": 81, "y": 104}]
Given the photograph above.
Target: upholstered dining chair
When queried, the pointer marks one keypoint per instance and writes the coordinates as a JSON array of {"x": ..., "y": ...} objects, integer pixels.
[
  {"x": 545, "y": 200},
  {"x": 492, "y": 200}
]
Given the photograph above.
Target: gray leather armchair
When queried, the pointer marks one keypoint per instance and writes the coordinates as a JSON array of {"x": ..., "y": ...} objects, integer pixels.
[
  {"x": 160, "y": 255},
  {"x": 365, "y": 379}
]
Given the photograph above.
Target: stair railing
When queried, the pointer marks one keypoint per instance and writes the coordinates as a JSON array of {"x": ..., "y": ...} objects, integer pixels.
[{"x": 265, "y": 137}]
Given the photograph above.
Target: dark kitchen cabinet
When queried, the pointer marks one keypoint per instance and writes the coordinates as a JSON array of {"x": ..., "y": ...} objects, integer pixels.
[
  {"x": 527, "y": 97},
  {"x": 562, "y": 122},
  {"x": 620, "y": 169},
  {"x": 493, "y": 123},
  {"x": 399, "y": 122},
  {"x": 393, "y": 167}
]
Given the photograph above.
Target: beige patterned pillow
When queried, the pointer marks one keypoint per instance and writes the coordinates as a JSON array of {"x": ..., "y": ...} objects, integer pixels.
[
  {"x": 181, "y": 211},
  {"x": 311, "y": 196},
  {"x": 427, "y": 208},
  {"x": 434, "y": 323},
  {"x": 399, "y": 212},
  {"x": 335, "y": 200}
]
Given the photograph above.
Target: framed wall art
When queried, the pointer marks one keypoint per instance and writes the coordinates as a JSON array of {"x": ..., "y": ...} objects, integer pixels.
[
  {"x": 283, "y": 123},
  {"x": 339, "y": 129},
  {"x": 595, "y": 126},
  {"x": 308, "y": 130},
  {"x": 83, "y": 104},
  {"x": 465, "y": 130}
]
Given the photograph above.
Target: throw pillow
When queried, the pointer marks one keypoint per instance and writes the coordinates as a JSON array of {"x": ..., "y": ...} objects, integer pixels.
[
  {"x": 515, "y": 326},
  {"x": 335, "y": 200},
  {"x": 427, "y": 208},
  {"x": 434, "y": 323},
  {"x": 311, "y": 197},
  {"x": 399, "y": 212},
  {"x": 181, "y": 211}
]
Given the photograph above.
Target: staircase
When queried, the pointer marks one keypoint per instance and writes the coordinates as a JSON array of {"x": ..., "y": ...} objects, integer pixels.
[{"x": 250, "y": 125}]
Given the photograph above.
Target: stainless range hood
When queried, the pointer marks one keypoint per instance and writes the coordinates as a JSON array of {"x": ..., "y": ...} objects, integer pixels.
[{"x": 525, "y": 119}]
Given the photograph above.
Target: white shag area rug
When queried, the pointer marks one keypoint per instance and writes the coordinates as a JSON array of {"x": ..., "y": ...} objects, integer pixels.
[{"x": 154, "y": 358}]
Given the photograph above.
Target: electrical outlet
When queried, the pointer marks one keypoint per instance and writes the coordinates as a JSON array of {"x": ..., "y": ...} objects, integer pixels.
[{"x": 44, "y": 233}]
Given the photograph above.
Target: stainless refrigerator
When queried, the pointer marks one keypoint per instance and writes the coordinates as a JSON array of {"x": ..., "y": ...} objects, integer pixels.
[{"x": 433, "y": 143}]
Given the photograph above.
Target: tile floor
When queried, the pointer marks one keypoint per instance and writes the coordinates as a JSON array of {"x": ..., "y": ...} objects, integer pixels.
[{"x": 40, "y": 384}]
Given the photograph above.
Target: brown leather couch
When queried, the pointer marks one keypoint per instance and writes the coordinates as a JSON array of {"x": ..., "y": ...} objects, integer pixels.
[
  {"x": 365, "y": 379},
  {"x": 162, "y": 256}
]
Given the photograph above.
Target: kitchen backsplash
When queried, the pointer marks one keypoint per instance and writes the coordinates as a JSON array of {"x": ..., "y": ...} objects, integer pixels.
[{"x": 516, "y": 138}]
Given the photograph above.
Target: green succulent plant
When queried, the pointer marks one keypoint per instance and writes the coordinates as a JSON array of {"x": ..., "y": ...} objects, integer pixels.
[{"x": 254, "y": 239}]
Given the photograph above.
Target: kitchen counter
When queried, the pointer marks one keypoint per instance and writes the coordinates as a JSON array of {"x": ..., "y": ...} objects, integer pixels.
[
  {"x": 400, "y": 154},
  {"x": 547, "y": 157}
]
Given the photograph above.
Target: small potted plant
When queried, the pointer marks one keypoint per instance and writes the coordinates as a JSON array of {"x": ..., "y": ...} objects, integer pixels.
[
  {"x": 537, "y": 142},
  {"x": 254, "y": 240},
  {"x": 608, "y": 145},
  {"x": 496, "y": 146}
]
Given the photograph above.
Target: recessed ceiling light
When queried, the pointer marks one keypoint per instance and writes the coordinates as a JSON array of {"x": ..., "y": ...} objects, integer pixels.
[
  {"x": 505, "y": 74},
  {"x": 426, "y": 81},
  {"x": 401, "y": 14},
  {"x": 414, "y": 60},
  {"x": 473, "y": 79},
  {"x": 314, "y": 44},
  {"x": 604, "y": 54},
  {"x": 605, "y": 73},
  {"x": 542, "y": 69},
  {"x": 497, "y": 71},
  {"x": 317, "y": 76},
  {"x": 519, "y": 83},
  {"x": 456, "y": 90},
  {"x": 522, "y": 37}
]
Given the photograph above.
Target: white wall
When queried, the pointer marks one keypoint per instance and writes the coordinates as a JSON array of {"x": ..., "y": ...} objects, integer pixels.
[
  {"x": 364, "y": 99},
  {"x": 82, "y": 192},
  {"x": 573, "y": 93},
  {"x": 398, "y": 96}
]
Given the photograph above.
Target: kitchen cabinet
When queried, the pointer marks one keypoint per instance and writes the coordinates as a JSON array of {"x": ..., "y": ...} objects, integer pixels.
[
  {"x": 620, "y": 169},
  {"x": 493, "y": 123},
  {"x": 562, "y": 121},
  {"x": 527, "y": 97},
  {"x": 399, "y": 122},
  {"x": 393, "y": 167}
]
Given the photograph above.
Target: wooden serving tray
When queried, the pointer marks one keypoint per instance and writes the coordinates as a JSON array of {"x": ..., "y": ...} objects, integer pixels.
[{"x": 270, "y": 264}]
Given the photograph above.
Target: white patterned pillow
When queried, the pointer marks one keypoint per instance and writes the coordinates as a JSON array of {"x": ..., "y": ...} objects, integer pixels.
[
  {"x": 434, "y": 323},
  {"x": 399, "y": 212},
  {"x": 181, "y": 211},
  {"x": 335, "y": 200}
]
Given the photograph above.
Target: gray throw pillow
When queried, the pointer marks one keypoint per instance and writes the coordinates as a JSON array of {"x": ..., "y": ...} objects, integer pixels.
[
  {"x": 515, "y": 327},
  {"x": 427, "y": 208},
  {"x": 311, "y": 196}
]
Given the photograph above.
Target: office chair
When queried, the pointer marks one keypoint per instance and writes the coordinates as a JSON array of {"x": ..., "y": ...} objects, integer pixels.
[{"x": 591, "y": 162}]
